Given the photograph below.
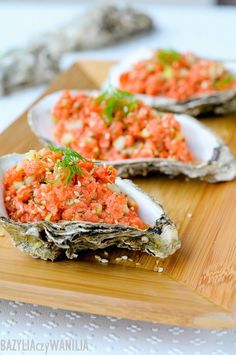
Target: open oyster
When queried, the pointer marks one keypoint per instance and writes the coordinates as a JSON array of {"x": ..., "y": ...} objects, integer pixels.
[
  {"x": 220, "y": 102},
  {"x": 49, "y": 240},
  {"x": 214, "y": 161}
]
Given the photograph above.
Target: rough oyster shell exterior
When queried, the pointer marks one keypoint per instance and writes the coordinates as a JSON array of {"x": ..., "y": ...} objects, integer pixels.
[{"x": 39, "y": 61}]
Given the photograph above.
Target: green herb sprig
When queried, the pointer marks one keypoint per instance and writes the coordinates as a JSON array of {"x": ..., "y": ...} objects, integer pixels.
[
  {"x": 68, "y": 162},
  {"x": 115, "y": 99},
  {"x": 168, "y": 56},
  {"x": 221, "y": 83}
]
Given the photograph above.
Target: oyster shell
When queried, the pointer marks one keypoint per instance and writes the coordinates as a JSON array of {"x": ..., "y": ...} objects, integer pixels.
[
  {"x": 214, "y": 159},
  {"x": 217, "y": 103},
  {"x": 48, "y": 240}
]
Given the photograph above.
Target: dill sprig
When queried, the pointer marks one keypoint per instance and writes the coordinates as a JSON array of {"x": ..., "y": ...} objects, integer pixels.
[
  {"x": 115, "y": 99},
  {"x": 168, "y": 56},
  {"x": 68, "y": 162}
]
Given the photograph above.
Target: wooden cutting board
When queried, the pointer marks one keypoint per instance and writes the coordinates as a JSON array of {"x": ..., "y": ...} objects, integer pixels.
[{"x": 197, "y": 285}]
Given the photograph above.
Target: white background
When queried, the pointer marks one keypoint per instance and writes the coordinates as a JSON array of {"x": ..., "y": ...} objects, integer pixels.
[{"x": 209, "y": 31}]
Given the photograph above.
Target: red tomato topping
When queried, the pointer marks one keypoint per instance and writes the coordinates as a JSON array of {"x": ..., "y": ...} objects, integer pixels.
[
  {"x": 33, "y": 191},
  {"x": 134, "y": 131},
  {"x": 177, "y": 76}
]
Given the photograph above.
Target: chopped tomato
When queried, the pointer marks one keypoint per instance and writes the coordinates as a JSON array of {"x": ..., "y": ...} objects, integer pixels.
[
  {"x": 178, "y": 76},
  {"x": 33, "y": 192},
  {"x": 140, "y": 133}
]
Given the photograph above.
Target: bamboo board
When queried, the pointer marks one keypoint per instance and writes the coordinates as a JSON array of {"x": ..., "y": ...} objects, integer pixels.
[{"x": 197, "y": 286}]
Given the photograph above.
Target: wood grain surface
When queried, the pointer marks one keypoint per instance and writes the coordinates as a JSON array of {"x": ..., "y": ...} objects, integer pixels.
[{"x": 197, "y": 286}]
